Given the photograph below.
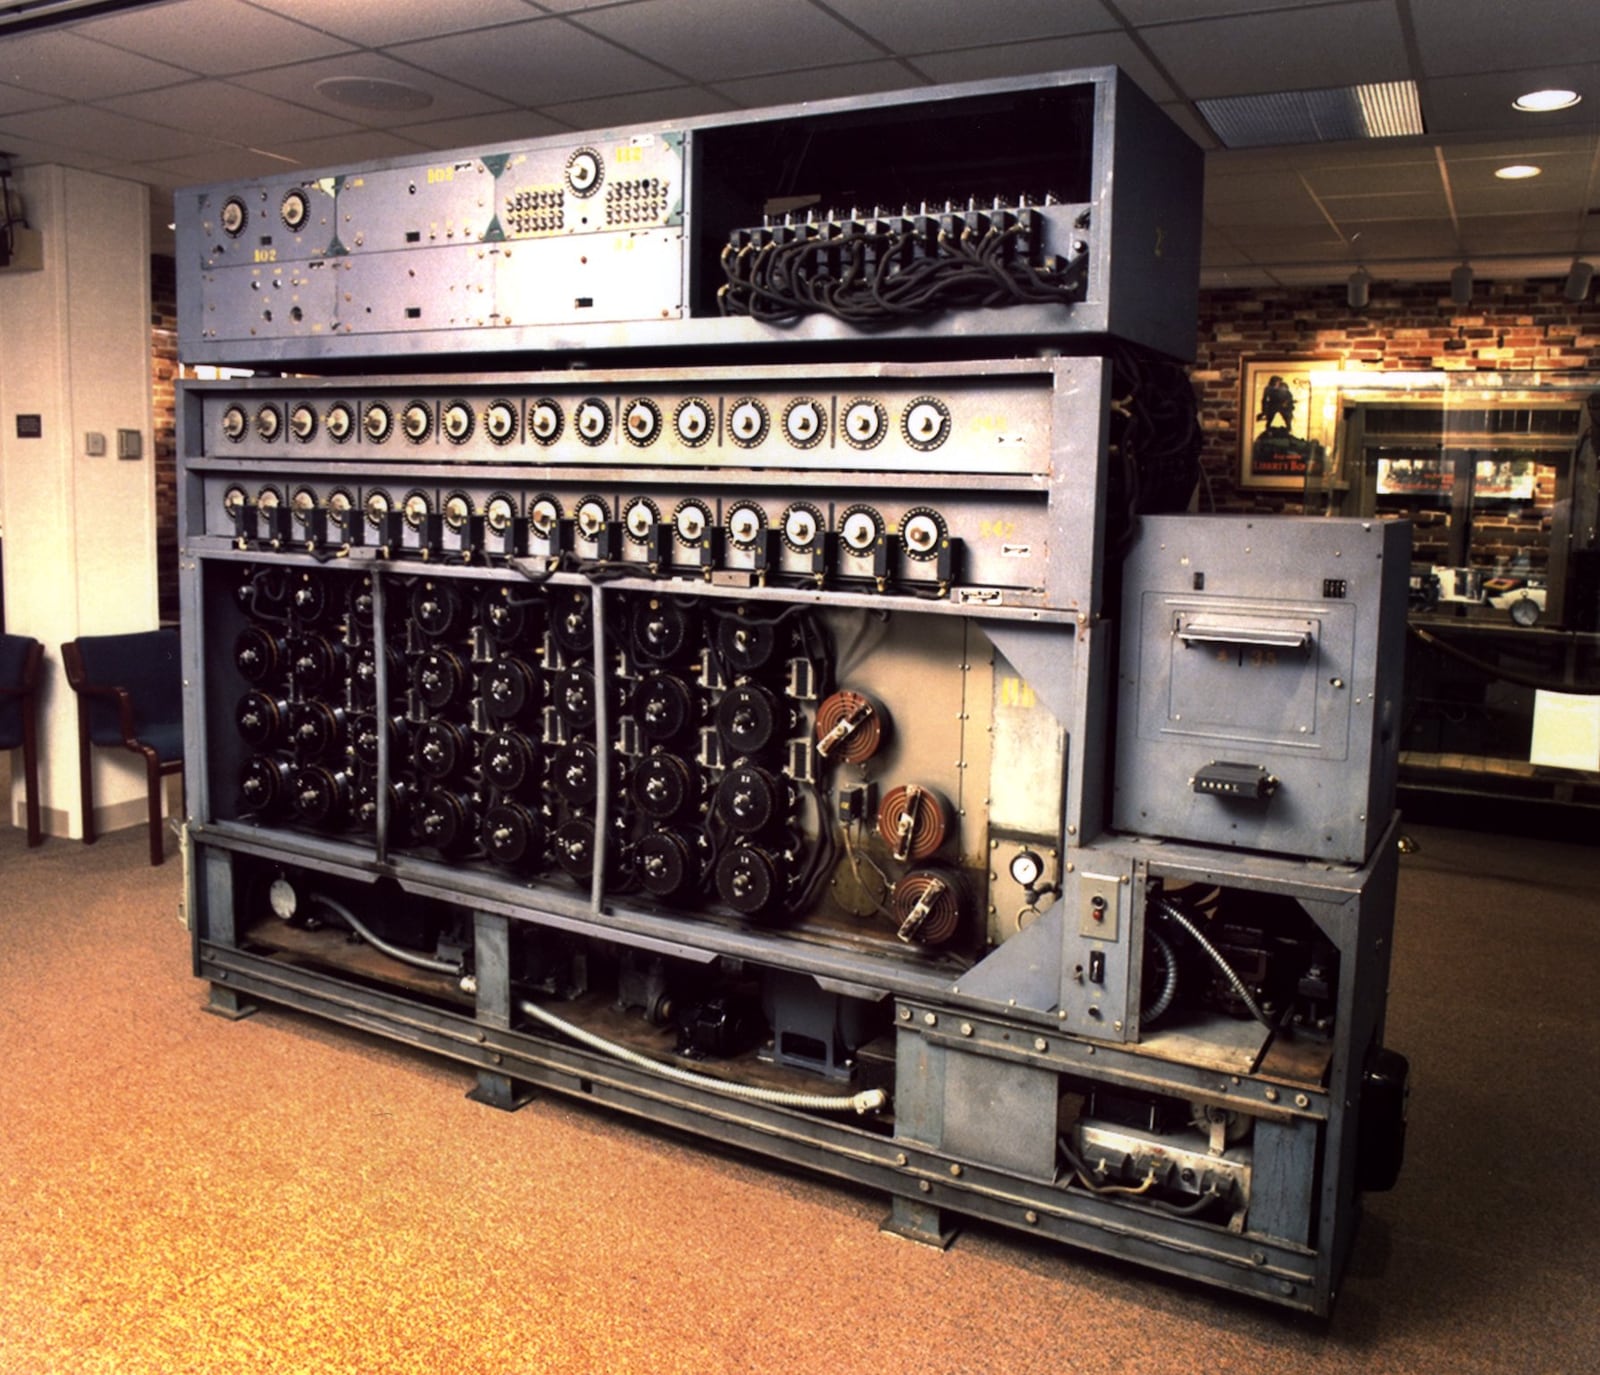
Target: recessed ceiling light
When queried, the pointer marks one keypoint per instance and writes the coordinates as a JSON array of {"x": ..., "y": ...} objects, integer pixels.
[
  {"x": 1553, "y": 99},
  {"x": 373, "y": 93},
  {"x": 1517, "y": 171}
]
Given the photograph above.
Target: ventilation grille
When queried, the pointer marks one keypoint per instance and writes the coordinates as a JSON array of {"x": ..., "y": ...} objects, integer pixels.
[{"x": 1387, "y": 109}]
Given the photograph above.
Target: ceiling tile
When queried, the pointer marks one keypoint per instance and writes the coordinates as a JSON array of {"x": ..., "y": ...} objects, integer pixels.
[
  {"x": 1517, "y": 233},
  {"x": 1262, "y": 187},
  {"x": 230, "y": 113},
  {"x": 345, "y": 150},
  {"x": 105, "y": 134},
  {"x": 14, "y": 100},
  {"x": 231, "y": 164},
  {"x": 1046, "y": 55},
  {"x": 69, "y": 65},
  {"x": 1235, "y": 278},
  {"x": 399, "y": 21},
  {"x": 1404, "y": 239},
  {"x": 644, "y": 107},
  {"x": 477, "y": 131},
  {"x": 1376, "y": 177},
  {"x": 299, "y": 84},
  {"x": 24, "y": 151},
  {"x": 1174, "y": 11},
  {"x": 1287, "y": 207},
  {"x": 212, "y": 37},
  {"x": 542, "y": 62},
  {"x": 707, "y": 40},
  {"x": 1481, "y": 102},
  {"x": 1292, "y": 50},
  {"x": 1364, "y": 210},
  {"x": 818, "y": 83},
  {"x": 929, "y": 28},
  {"x": 1485, "y": 35}
]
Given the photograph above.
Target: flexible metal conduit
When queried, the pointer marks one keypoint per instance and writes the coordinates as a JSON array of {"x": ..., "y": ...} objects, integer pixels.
[
  {"x": 1170, "y": 911},
  {"x": 377, "y": 942}
]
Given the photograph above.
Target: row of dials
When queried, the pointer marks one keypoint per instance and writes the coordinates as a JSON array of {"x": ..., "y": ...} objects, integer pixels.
[
  {"x": 802, "y": 526},
  {"x": 804, "y": 422}
]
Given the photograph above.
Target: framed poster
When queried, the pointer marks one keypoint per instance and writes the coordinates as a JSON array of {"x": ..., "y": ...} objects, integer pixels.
[{"x": 1286, "y": 426}]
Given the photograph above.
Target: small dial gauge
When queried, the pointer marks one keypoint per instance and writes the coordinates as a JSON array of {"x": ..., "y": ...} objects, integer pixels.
[
  {"x": 745, "y": 524},
  {"x": 1026, "y": 868},
  {"x": 457, "y": 510},
  {"x": 295, "y": 209},
  {"x": 1525, "y": 612},
  {"x": 747, "y": 422},
  {"x": 639, "y": 518},
  {"x": 457, "y": 422},
  {"x": 865, "y": 423},
  {"x": 416, "y": 509},
  {"x": 544, "y": 514},
  {"x": 641, "y": 421},
  {"x": 500, "y": 514},
  {"x": 860, "y": 527},
  {"x": 544, "y": 421},
  {"x": 500, "y": 422},
  {"x": 269, "y": 423},
  {"x": 803, "y": 423},
  {"x": 692, "y": 420},
  {"x": 592, "y": 420},
  {"x": 233, "y": 500},
  {"x": 691, "y": 521},
  {"x": 340, "y": 504},
  {"x": 802, "y": 527},
  {"x": 303, "y": 503},
  {"x": 303, "y": 422},
  {"x": 585, "y": 171},
  {"x": 339, "y": 422},
  {"x": 923, "y": 532},
  {"x": 926, "y": 423},
  {"x": 233, "y": 217},
  {"x": 377, "y": 507},
  {"x": 268, "y": 499},
  {"x": 416, "y": 420},
  {"x": 234, "y": 423},
  {"x": 592, "y": 517},
  {"x": 377, "y": 422}
]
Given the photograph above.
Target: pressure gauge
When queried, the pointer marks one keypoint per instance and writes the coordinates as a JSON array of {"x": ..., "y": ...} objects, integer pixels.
[
  {"x": 283, "y": 899},
  {"x": 1026, "y": 868}
]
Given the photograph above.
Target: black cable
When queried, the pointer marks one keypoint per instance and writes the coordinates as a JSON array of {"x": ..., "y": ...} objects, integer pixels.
[{"x": 1505, "y": 675}]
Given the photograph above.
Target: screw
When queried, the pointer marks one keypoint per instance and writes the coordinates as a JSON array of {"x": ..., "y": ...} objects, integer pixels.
[
  {"x": 929, "y": 1019},
  {"x": 966, "y": 1028},
  {"x": 1302, "y": 1101},
  {"x": 955, "y": 1172},
  {"x": 900, "y": 1158},
  {"x": 1272, "y": 1095},
  {"x": 1030, "y": 1217},
  {"x": 1039, "y": 1043},
  {"x": 926, "y": 1187}
]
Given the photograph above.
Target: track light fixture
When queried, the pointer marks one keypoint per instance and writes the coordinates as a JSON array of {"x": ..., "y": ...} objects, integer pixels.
[
  {"x": 1579, "y": 279},
  {"x": 1461, "y": 285},
  {"x": 1358, "y": 289}
]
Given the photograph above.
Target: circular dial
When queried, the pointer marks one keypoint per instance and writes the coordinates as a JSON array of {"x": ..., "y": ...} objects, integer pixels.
[
  {"x": 663, "y": 786},
  {"x": 576, "y": 772},
  {"x": 416, "y": 509},
  {"x": 500, "y": 422},
  {"x": 268, "y": 499},
  {"x": 865, "y": 423},
  {"x": 544, "y": 420},
  {"x": 691, "y": 520},
  {"x": 663, "y": 706},
  {"x": 749, "y": 799},
  {"x": 340, "y": 503},
  {"x": 509, "y": 687},
  {"x": 803, "y": 422},
  {"x": 692, "y": 421},
  {"x": 747, "y": 646},
  {"x": 926, "y": 423},
  {"x": 748, "y": 719},
  {"x": 592, "y": 420},
  {"x": 233, "y": 217},
  {"x": 591, "y": 517},
  {"x": 269, "y": 423},
  {"x": 923, "y": 532},
  {"x": 282, "y": 898},
  {"x": 511, "y": 833},
  {"x": 377, "y": 507},
  {"x": 438, "y": 676},
  {"x": 417, "y": 421},
  {"x": 500, "y": 513},
  {"x": 746, "y": 523},
  {"x": 378, "y": 422},
  {"x": 860, "y": 528},
  {"x": 1525, "y": 612},
  {"x": 264, "y": 783},
  {"x": 303, "y": 422},
  {"x": 303, "y": 502},
  {"x": 641, "y": 421},
  {"x": 339, "y": 422},
  {"x": 233, "y": 500},
  {"x": 295, "y": 209},
  {"x": 585, "y": 171},
  {"x": 457, "y": 511},
  {"x": 260, "y": 718},
  {"x": 747, "y": 422},
  {"x": 544, "y": 514},
  {"x": 456, "y": 422},
  {"x": 750, "y": 880},
  {"x": 640, "y": 518},
  {"x": 1026, "y": 868},
  {"x": 509, "y": 760},
  {"x": 661, "y": 629},
  {"x": 436, "y": 607},
  {"x": 234, "y": 424},
  {"x": 665, "y": 864},
  {"x": 440, "y": 749},
  {"x": 802, "y": 527}
]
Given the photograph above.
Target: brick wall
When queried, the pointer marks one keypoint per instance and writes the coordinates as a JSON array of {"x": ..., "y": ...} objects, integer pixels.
[
  {"x": 1509, "y": 327},
  {"x": 163, "y": 376}
]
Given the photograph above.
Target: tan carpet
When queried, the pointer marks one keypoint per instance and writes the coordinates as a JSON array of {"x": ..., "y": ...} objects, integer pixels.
[{"x": 178, "y": 1193}]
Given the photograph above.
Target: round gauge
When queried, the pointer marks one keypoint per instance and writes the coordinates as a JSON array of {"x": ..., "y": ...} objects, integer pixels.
[
  {"x": 926, "y": 423},
  {"x": 303, "y": 422},
  {"x": 1525, "y": 612},
  {"x": 746, "y": 523},
  {"x": 803, "y": 423},
  {"x": 339, "y": 506},
  {"x": 457, "y": 511},
  {"x": 378, "y": 422},
  {"x": 544, "y": 420},
  {"x": 692, "y": 420},
  {"x": 302, "y": 503},
  {"x": 802, "y": 527},
  {"x": 269, "y": 423},
  {"x": 234, "y": 499},
  {"x": 747, "y": 422},
  {"x": 377, "y": 506},
  {"x": 295, "y": 209},
  {"x": 233, "y": 217},
  {"x": 639, "y": 518},
  {"x": 1026, "y": 868},
  {"x": 416, "y": 509},
  {"x": 417, "y": 421},
  {"x": 457, "y": 422},
  {"x": 234, "y": 424},
  {"x": 691, "y": 520},
  {"x": 500, "y": 513},
  {"x": 592, "y": 420},
  {"x": 500, "y": 422},
  {"x": 339, "y": 422},
  {"x": 923, "y": 532},
  {"x": 544, "y": 514},
  {"x": 641, "y": 421},
  {"x": 283, "y": 899},
  {"x": 865, "y": 423},
  {"x": 585, "y": 171},
  {"x": 268, "y": 499},
  {"x": 591, "y": 517},
  {"x": 860, "y": 528}
]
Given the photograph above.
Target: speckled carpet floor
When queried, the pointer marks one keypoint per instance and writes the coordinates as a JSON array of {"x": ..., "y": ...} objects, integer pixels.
[{"x": 178, "y": 1193}]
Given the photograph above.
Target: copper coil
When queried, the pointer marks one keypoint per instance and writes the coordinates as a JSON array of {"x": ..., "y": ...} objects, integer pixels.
[
  {"x": 929, "y": 815},
  {"x": 863, "y": 739},
  {"x": 941, "y": 904}
]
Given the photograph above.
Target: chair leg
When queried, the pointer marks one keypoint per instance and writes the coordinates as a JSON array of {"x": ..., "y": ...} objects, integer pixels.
[
  {"x": 152, "y": 767},
  {"x": 85, "y": 775},
  {"x": 30, "y": 775}
]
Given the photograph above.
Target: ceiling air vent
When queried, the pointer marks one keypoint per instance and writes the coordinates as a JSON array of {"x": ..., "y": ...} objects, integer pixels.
[{"x": 1387, "y": 109}]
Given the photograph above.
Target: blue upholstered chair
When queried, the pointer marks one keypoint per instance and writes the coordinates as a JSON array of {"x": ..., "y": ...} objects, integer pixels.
[
  {"x": 20, "y": 657},
  {"x": 130, "y": 695}
]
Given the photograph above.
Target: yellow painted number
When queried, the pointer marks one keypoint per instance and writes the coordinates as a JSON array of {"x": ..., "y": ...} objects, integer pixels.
[
  {"x": 998, "y": 529},
  {"x": 266, "y": 255},
  {"x": 441, "y": 174},
  {"x": 630, "y": 153}
]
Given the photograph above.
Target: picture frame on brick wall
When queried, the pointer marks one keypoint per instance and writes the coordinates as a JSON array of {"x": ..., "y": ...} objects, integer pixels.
[{"x": 1287, "y": 419}]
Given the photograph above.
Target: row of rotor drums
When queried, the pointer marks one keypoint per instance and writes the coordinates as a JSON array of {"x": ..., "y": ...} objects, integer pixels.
[{"x": 747, "y": 422}]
